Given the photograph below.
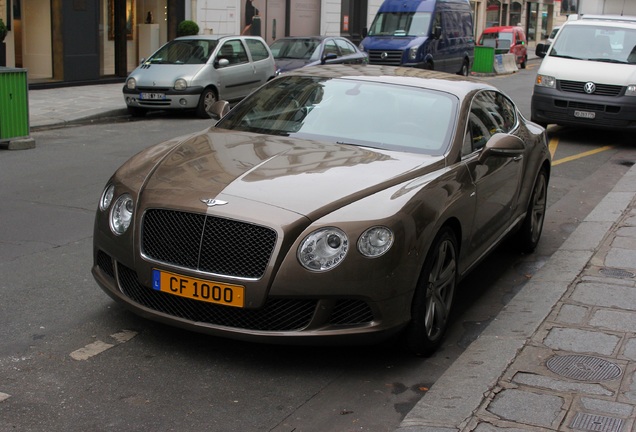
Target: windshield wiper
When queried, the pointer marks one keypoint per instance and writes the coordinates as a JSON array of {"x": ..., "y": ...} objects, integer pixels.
[{"x": 607, "y": 60}]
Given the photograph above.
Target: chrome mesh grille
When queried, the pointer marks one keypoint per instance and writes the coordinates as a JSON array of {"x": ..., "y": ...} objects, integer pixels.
[
  {"x": 207, "y": 243},
  {"x": 275, "y": 315}
]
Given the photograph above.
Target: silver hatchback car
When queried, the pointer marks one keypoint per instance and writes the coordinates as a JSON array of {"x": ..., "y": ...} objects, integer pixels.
[{"x": 193, "y": 72}]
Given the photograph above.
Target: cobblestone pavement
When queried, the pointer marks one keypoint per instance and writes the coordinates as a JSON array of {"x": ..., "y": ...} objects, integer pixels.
[{"x": 561, "y": 356}]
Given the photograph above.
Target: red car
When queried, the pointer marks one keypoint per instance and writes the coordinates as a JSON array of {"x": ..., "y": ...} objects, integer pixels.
[{"x": 507, "y": 39}]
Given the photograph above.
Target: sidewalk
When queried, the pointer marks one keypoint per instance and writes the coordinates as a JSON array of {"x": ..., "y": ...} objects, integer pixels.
[
  {"x": 65, "y": 105},
  {"x": 561, "y": 356}
]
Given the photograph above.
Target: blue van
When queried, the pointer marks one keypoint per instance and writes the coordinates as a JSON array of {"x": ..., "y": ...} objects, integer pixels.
[{"x": 427, "y": 34}]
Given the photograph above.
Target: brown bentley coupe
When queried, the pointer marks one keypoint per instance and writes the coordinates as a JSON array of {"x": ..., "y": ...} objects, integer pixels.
[{"x": 335, "y": 203}]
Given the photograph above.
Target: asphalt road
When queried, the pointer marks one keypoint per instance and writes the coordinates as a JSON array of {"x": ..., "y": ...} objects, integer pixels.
[{"x": 72, "y": 360}]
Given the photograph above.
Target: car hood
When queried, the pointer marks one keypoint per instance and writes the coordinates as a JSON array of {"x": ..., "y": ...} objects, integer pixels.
[
  {"x": 584, "y": 70},
  {"x": 309, "y": 178},
  {"x": 164, "y": 75}
]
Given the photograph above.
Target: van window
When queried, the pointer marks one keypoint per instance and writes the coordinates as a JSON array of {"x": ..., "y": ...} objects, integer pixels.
[
  {"x": 596, "y": 43},
  {"x": 401, "y": 24}
]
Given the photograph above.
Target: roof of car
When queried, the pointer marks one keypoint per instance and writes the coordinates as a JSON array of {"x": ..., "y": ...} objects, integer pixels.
[
  {"x": 501, "y": 29},
  {"x": 216, "y": 37},
  {"x": 607, "y": 20},
  {"x": 442, "y": 81}
]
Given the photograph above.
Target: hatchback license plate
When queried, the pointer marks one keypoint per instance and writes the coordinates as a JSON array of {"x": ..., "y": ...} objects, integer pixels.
[
  {"x": 585, "y": 114},
  {"x": 152, "y": 96},
  {"x": 198, "y": 289}
]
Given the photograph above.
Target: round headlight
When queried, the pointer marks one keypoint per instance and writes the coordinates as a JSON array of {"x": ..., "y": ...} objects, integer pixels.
[
  {"x": 121, "y": 214},
  {"x": 107, "y": 197},
  {"x": 323, "y": 249},
  {"x": 180, "y": 84},
  {"x": 375, "y": 241},
  {"x": 131, "y": 84}
]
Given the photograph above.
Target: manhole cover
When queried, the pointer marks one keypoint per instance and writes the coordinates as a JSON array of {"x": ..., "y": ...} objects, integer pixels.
[
  {"x": 616, "y": 273},
  {"x": 597, "y": 423},
  {"x": 583, "y": 368}
]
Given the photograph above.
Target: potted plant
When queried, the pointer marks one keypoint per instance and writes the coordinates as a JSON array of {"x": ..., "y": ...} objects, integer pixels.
[
  {"x": 3, "y": 31},
  {"x": 187, "y": 28}
]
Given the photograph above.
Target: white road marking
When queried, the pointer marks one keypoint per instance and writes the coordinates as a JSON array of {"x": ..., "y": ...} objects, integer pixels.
[
  {"x": 99, "y": 347},
  {"x": 4, "y": 396}
]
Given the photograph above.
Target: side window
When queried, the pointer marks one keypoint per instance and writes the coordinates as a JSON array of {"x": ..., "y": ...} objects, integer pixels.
[
  {"x": 490, "y": 112},
  {"x": 257, "y": 49},
  {"x": 330, "y": 48},
  {"x": 233, "y": 51},
  {"x": 345, "y": 47}
]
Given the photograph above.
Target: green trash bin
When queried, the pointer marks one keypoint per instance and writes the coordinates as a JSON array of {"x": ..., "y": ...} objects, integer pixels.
[
  {"x": 484, "y": 60},
  {"x": 14, "y": 105}
]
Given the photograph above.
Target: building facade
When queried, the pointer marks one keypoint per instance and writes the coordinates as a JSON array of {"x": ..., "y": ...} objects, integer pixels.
[
  {"x": 84, "y": 40},
  {"x": 71, "y": 41}
]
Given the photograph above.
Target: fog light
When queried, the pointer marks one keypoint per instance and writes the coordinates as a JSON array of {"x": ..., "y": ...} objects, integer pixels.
[
  {"x": 129, "y": 101},
  {"x": 183, "y": 102}
]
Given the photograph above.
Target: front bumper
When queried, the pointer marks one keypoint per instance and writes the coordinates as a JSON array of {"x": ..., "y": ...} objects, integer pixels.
[
  {"x": 579, "y": 109},
  {"x": 289, "y": 319},
  {"x": 172, "y": 99}
]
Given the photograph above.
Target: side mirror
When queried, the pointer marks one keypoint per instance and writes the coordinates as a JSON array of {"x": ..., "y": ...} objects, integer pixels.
[
  {"x": 222, "y": 62},
  {"x": 541, "y": 50},
  {"x": 219, "y": 109},
  {"x": 502, "y": 145},
  {"x": 325, "y": 58}
]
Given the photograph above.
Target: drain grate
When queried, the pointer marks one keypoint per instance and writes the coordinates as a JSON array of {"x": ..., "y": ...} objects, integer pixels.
[
  {"x": 583, "y": 368},
  {"x": 616, "y": 273},
  {"x": 596, "y": 423}
]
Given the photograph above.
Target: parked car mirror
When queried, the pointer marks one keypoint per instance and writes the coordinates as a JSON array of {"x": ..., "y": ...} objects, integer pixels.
[
  {"x": 502, "y": 145},
  {"x": 541, "y": 50},
  {"x": 327, "y": 57},
  {"x": 222, "y": 62},
  {"x": 219, "y": 109}
]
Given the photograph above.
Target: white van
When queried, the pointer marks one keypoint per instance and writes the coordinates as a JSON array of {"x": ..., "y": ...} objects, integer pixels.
[{"x": 588, "y": 75}]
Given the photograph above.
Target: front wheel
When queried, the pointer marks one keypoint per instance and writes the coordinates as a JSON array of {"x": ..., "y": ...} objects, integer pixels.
[
  {"x": 523, "y": 62},
  {"x": 464, "y": 70},
  {"x": 530, "y": 232},
  {"x": 430, "y": 310},
  {"x": 207, "y": 99}
]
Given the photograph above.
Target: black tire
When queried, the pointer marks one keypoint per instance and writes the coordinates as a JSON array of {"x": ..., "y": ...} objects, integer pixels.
[
  {"x": 433, "y": 298},
  {"x": 464, "y": 70},
  {"x": 523, "y": 63},
  {"x": 137, "y": 112},
  {"x": 527, "y": 238},
  {"x": 208, "y": 97}
]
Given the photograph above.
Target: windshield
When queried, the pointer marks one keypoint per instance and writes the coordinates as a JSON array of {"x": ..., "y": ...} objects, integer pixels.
[
  {"x": 596, "y": 43},
  {"x": 300, "y": 49},
  {"x": 401, "y": 24},
  {"x": 193, "y": 51},
  {"x": 348, "y": 111}
]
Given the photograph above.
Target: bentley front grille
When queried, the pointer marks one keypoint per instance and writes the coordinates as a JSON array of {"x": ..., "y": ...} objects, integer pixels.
[{"x": 207, "y": 243}]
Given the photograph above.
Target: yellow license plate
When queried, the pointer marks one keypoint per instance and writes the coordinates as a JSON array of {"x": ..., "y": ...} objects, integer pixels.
[{"x": 198, "y": 289}]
